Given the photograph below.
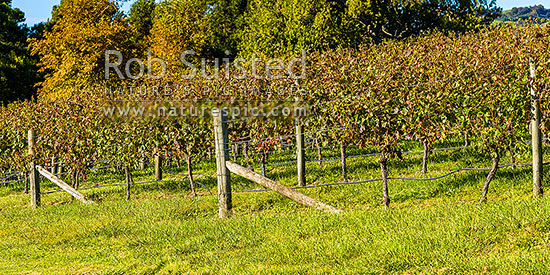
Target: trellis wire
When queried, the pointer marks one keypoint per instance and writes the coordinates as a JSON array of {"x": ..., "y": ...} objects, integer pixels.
[
  {"x": 290, "y": 135},
  {"x": 360, "y": 155},
  {"x": 121, "y": 184},
  {"x": 6, "y": 182},
  {"x": 284, "y": 163},
  {"x": 198, "y": 174},
  {"x": 364, "y": 155},
  {"x": 391, "y": 178},
  {"x": 293, "y": 161},
  {"x": 11, "y": 175}
]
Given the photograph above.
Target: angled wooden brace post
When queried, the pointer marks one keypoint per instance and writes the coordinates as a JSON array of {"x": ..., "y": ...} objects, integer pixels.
[
  {"x": 79, "y": 196},
  {"x": 281, "y": 189}
]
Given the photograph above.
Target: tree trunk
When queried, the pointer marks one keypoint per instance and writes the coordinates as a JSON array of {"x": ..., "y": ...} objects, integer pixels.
[
  {"x": 73, "y": 178},
  {"x": 386, "y": 198},
  {"x": 489, "y": 178},
  {"x": 129, "y": 181},
  {"x": 319, "y": 155},
  {"x": 512, "y": 154},
  {"x": 168, "y": 158},
  {"x": 466, "y": 140},
  {"x": 26, "y": 183},
  {"x": 425, "y": 157},
  {"x": 343, "y": 159},
  {"x": 142, "y": 163},
  {"x": 190, "y": 175},
  {"x": 263, "y": 157},
  {"x": 245, "y": 151},
  {"x": 77, "y": 180},
  {"x": 235, "y": 150},
  {"x": 73, "y": 181},
  {"x": 300, "y": 153}
]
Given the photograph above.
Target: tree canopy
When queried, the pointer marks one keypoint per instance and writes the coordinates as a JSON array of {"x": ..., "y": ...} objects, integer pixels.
[
  {"x": 73, "y": 53},
  {"x": 140, "y": 19},
  {"x": 71, "y": 47},
  {"x": 17, "y": 70}
]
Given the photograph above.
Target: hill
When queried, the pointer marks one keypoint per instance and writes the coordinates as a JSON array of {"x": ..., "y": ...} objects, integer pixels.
[{"x": 515, "y": 14}]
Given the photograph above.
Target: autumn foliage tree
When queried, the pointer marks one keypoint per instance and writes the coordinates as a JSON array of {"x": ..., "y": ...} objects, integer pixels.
[{"x": 73, "y": 53}]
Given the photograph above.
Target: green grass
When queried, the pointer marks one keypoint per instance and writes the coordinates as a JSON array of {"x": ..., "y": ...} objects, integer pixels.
[{"x": 432, "y": 227}]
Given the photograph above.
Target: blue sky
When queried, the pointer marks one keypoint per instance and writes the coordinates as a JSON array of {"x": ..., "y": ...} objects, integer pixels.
[{"x": 40, "y": 10}]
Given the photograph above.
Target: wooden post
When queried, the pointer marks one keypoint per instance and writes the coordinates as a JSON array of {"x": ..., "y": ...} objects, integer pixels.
[
  {"x": 34, "y": 178},
  {"x": 53, "y": 168},
  {"x": 158, "y": 167},
  {"x": 60, "y": 169},
  {"x": 536, "y": 136},
  {"x": 224, "y": 182},
  {"x": 281, "y": 189},
  {"x": 73, "y": 191},
  {"x": 300, "y": 152}
]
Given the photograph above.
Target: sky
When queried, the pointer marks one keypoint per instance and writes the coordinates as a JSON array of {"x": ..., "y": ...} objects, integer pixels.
[
  {"x": 37, "y": 11},
  {"x": 40, "y": 10}
]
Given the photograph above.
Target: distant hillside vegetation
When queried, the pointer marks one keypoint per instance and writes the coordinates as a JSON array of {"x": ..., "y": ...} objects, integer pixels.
[{"x": 515, "y": 14}]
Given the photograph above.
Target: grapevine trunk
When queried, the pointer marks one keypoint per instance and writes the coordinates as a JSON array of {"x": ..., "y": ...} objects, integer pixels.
[
  {"x": 489, "y": 178},
  {"x": 386, "y": 198}
]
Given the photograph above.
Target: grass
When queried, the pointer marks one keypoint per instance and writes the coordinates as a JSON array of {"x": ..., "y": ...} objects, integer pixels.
[{"x": 433, "y": 227}]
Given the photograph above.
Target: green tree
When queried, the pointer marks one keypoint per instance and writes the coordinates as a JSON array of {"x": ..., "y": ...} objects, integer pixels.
[
  {"x": 278, "y": 27},
  {"x": 141, "y": 22},
  {"x": 224, "y": 23},
  {"x": 17, "y": 69},
  {"x": 382, "y": 19},
  {"x": 281, "y": 27}
]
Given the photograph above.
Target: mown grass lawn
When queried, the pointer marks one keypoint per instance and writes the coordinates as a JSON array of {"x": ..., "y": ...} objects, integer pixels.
[{"x": 432, "y": 227}]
